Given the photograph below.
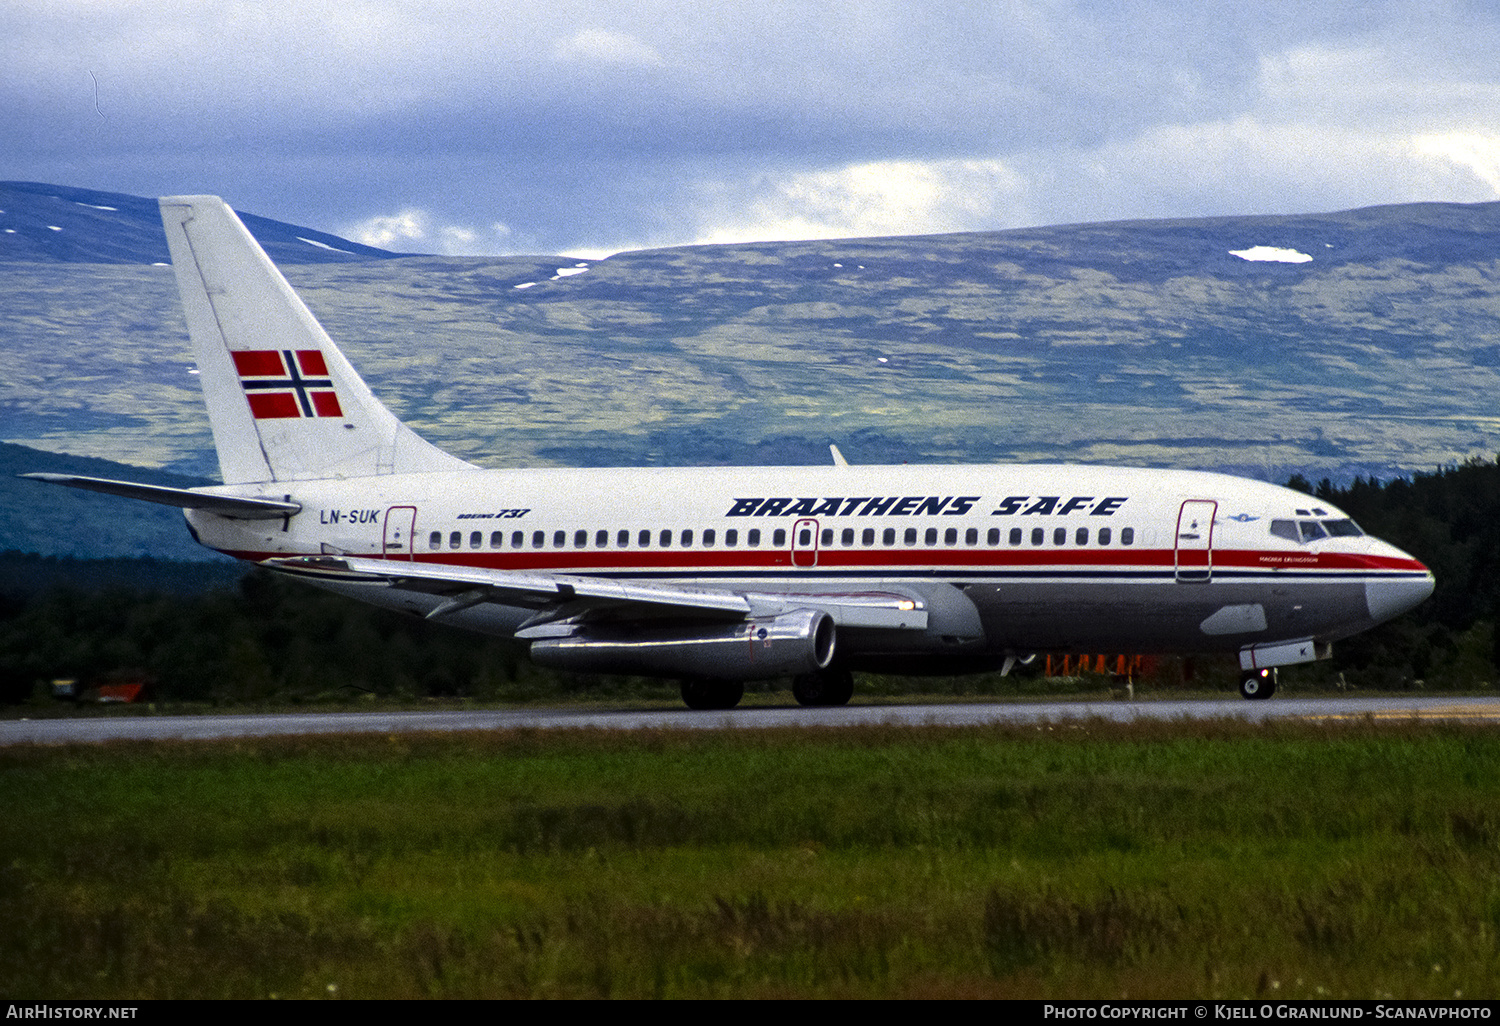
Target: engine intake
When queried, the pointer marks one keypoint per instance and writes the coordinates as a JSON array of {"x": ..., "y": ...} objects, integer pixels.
[{"x": 797, "y": 642}]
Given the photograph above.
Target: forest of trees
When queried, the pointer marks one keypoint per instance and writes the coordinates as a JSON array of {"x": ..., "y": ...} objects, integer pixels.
[{"x": 262, "y": 639}]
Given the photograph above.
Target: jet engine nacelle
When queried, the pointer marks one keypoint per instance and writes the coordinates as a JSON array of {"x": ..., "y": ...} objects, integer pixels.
[{"x": 801, "y": 641}]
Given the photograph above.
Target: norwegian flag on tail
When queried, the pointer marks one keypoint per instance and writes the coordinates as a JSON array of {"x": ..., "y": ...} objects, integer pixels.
[{"x": 287, "y": 383}]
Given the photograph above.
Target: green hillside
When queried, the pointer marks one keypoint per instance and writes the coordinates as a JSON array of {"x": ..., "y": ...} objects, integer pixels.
[
  {"x": 1143, "y": 343},
  {"x": 52, "y": 521}
]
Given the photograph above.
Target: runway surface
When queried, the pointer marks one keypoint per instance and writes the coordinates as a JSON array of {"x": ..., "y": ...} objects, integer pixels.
[{"x": 131, "y": 727}]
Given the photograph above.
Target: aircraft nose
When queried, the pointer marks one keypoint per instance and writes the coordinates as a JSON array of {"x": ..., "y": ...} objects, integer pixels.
[{"x": 1389, "y": 597}]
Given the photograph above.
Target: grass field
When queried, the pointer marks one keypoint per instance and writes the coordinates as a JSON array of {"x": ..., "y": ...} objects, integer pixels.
[{"x": 1079, "y": 859}]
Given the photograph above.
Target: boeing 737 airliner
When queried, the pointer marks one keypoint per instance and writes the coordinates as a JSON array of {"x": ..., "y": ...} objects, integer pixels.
[{"x": 718, "y": 575}]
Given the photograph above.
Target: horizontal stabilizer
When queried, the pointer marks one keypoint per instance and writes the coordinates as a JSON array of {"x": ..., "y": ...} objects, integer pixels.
[{"x": 238, "y": 507}]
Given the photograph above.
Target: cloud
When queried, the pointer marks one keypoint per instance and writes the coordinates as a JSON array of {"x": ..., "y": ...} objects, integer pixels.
[
  {"x": 1477, "y": 153},
  {"x": 891, "y": 197},
  {"x": 1322, "y": 127},
  {"x": 594, "y": 46},
  {"x": 587, "y": 129},
  {"x": 413, "y": 230},
  {"x": 401, "y": 231}
]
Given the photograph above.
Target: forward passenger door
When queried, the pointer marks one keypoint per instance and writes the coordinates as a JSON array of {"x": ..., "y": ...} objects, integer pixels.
[{"x": 1194, "y": 544}]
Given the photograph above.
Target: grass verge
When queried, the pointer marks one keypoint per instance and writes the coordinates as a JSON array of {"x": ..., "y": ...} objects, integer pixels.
[{"x": 1083, "y": 859}]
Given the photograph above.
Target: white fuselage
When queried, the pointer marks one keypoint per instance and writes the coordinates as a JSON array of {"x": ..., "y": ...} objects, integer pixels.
[
  {"x": 721, "y": 575},
  {"x": 1052, "y": 557}
]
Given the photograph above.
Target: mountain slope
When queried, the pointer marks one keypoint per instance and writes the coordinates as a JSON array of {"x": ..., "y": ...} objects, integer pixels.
[
  {"x": 60, "y": 224},
  {"x": 54, "y": 521},
  {"x": 1376, "y": 352}
]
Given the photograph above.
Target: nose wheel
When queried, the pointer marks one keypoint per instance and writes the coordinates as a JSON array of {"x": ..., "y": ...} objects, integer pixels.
[{"x": 1260, "y": 684}]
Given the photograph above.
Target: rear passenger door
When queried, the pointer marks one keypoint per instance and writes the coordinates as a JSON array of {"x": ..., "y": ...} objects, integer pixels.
[{"x": 400, "y": 532}]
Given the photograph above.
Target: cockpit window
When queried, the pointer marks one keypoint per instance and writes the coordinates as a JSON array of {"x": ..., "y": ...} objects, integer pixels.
[
  {"x": 1286, "y": 529},
  {"x": 1311, "y": 530},
  {"x": 1303, "y": 531}
]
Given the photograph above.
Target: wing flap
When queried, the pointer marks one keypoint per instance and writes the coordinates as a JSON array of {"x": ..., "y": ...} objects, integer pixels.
[
  {"x": 560, "y": 596},
  {"x": 504, "y": 584}
]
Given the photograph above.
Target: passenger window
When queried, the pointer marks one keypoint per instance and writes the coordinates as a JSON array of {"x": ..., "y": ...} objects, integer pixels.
[
  {"x": 971, "y": 536},
  {"x": 601, "y": 539},
  {"x": 538, "y": 539},
  {"x": 846, "y": 537},
  {"x": 1015, "y": 536},
  {"x": 708, "y": 538},
  {"x": 517, "y": 539},
  {"x": 752, "y": 537},
  {"x": 1059, "y": 536},
  {"x": 827, "y": 536},
  {"x": 497, "y": 539},
  {"x": 888, "y": 536},
  {"x": 731, "y": 538},
  {"x": 622, "y": 539},
  {"x": 910, "y": 536},
  {"x": 559, "y": 539},
  {"x": 867, "y": 536},
  {"x": 666, "y": 539},
  {"x": 950, "y": 536},
  {"x": 1081, "y": 536},
  {"x": 687, "y": 539},
  {"x": 1103, "y": 536},
  {"x": 1127, "y": 536},
  {"x": 456, "y": 540},
  {"x": 931, "y": 538},
  {"x": 476, "y": 539},
  {"x": 778, "y": 537},
  {"x": 1038, "y": 535},
  {"x": 435, "y": 540},
  {"x": 645, "y": 539},
  {"x": 993, "y": 537},
  {"x": 580, "y": 539}
]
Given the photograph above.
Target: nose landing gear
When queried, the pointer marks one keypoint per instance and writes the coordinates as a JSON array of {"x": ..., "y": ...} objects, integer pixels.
[{"x": 1259, "y": 684}]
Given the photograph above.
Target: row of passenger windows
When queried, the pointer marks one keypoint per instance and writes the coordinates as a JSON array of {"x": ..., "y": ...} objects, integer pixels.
[{"x": 847, "y": 538}]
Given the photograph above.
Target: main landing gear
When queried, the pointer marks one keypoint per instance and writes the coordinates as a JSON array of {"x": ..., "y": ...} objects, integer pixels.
[
  {"x": 1259, "y": 683},
  {"x": 701, "y": 693},
  {"x": 825, "y": 687}
]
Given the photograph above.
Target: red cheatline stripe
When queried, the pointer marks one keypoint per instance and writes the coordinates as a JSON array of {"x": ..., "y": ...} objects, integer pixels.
[{"x": 690, "y": 560}]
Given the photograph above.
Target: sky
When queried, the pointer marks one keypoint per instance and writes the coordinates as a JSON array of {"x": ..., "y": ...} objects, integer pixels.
[{"x": 586, "y": 128}]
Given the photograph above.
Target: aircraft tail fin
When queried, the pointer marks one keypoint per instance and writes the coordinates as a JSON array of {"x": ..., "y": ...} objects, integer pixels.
[{"x": 284, "y": 403}]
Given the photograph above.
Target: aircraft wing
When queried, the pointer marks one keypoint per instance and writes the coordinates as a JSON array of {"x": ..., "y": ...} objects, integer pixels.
[{"x": 557, "y": 597}]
